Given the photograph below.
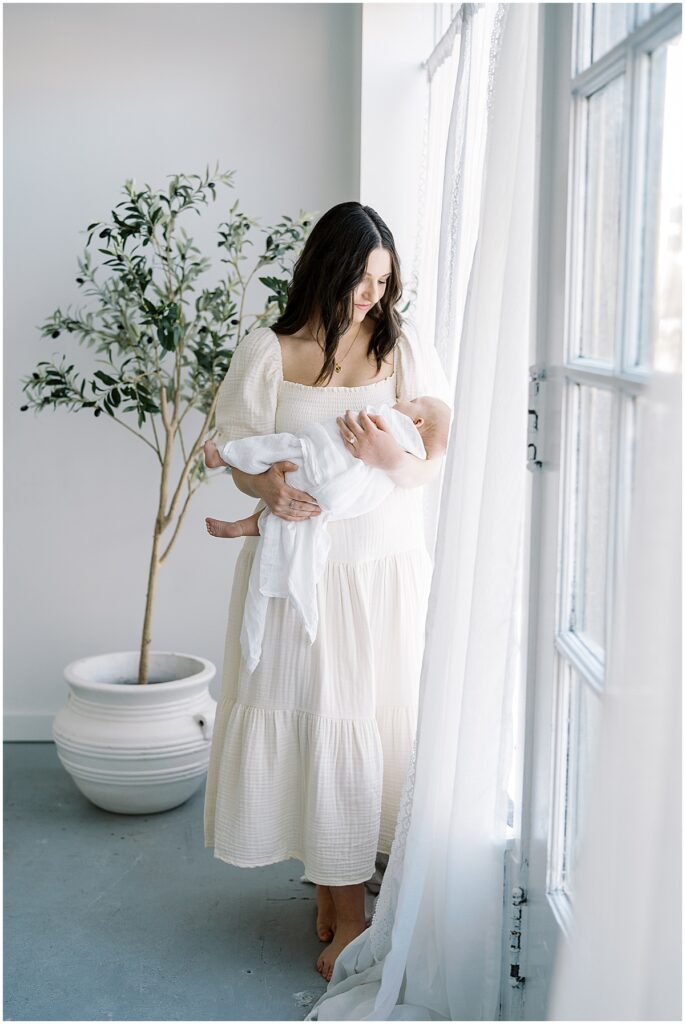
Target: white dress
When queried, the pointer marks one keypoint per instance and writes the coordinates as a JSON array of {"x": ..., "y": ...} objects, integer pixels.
[
  {"x": 309, "y": 752},
  {"x": 290, "y": 556}
]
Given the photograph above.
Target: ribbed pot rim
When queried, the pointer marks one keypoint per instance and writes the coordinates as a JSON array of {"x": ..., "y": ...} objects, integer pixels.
[{"x": 76, "y": 672}]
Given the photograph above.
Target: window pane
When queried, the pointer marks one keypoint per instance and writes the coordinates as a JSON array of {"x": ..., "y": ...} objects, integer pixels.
[
  {"x": 582, "y": 36},
  {"x": 668, "y": 308},
  {"x": 584, "y": 709},
  {"x": 610, "y": 24},
  {"x": 661, "y": 320},
  {"x": 647, "y": 11},
  {"x": 592, "y": 495},
  {"x": 602, "y": 187}
]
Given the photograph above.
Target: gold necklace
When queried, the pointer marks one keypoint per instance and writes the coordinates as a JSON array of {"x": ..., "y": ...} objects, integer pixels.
[{"x": 338, "y": 365}]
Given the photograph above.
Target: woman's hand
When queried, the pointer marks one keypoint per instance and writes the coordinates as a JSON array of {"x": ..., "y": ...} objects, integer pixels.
[
  {"x": 278, "y": 495},
  {"x": 373, "y": 443}
]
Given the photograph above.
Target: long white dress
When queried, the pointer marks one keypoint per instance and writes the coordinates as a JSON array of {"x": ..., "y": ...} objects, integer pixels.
[{"x": 309, "y": 752}]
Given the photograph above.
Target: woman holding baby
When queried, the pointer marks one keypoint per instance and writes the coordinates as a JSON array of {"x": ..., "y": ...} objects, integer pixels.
[{"x": 310, "y": 750}]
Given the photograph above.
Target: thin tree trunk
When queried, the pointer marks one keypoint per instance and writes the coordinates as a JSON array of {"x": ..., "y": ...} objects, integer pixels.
[
  {"x": 164, "y": 518},
  {"x": 147, "y": 622},
  {"x": 154, "y": 557}
]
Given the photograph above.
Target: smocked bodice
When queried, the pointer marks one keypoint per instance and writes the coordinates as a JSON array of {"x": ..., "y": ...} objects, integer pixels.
[
  {"x": 396, "y": 524},
  {"x": 299, "y": 404}
]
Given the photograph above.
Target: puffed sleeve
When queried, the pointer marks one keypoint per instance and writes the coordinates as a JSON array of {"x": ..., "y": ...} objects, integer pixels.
[
  {"x": 419, "y": 370},
  {"x": 247, "y": 396}
]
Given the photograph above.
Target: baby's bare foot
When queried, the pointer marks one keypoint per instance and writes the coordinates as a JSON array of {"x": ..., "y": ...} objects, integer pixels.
[
  {"x": 345, "y": 932},
  {"x": 241, "y": 528},
  {"x": 222, "y": 528},
  {"x": 212, "y": 458}
]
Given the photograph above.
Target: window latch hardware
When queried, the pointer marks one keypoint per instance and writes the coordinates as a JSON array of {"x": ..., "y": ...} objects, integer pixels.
[
  {"x": 518, "y": 900},
  {"x": 536, "y": 375}
]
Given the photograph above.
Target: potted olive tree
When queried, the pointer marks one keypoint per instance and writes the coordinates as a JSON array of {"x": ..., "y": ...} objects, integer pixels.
[{"x": 136, "y": 729}]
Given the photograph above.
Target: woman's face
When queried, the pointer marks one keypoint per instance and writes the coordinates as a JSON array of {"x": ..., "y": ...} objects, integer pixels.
[{"x": 372, "y": 286}]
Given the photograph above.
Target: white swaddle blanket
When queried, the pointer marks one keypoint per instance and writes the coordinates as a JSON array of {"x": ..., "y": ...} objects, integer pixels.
[{"x": 290, "y": 556}]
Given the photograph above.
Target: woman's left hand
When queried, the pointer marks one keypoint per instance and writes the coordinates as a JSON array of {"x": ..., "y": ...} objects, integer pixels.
[{"x": 373, "y": 443}]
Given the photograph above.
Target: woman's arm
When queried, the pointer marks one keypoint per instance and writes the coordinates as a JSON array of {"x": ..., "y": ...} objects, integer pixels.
[
  {"x": 410, "y": 471},
  {"x": 272, "y": 489},
  {"x": 376, "y": 446},
  {"x": 245, "y": 482}
]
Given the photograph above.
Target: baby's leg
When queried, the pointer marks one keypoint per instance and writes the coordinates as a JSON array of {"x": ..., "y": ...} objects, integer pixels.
[{"x": 241, "y": 528}]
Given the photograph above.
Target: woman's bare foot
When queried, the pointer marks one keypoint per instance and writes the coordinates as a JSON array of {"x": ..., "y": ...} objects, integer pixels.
[
  {"x": 344, "y": 933},
  {"x": 212, "y": 458},
  {"x": 350, "y": 922},
  {"x": 325, "y": 913},
  {"x": 241, "y": 528}
]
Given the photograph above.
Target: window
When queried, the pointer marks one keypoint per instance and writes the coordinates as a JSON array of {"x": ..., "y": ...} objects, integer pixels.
[{"x": 623, "y": 322}]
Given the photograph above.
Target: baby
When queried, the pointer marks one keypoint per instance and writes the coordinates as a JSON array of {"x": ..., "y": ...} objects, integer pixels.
[
  {"x": 291, "y": 555},
  {"x": 430, "y": 416}
]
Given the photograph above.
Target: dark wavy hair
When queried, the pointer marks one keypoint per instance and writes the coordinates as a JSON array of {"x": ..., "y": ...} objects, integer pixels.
[{"x": 331, "y": 265}]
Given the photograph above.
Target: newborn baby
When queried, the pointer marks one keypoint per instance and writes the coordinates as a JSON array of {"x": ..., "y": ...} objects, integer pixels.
[{"x": 291, "y": 556}]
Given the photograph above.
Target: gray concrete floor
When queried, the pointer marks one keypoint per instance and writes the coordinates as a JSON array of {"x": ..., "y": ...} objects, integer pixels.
[{"x": 129, "y": 917}]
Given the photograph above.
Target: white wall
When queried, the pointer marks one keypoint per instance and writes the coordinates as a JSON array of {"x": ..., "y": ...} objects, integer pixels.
[
  {"x": 95, "y": 94},
  {"x": 396, "y": 38}
]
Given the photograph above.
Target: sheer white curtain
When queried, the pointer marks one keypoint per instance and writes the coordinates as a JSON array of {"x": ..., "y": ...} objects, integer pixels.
[
  {"x": 623, "y": 958},
  {"x": 433, "y": 951},
  {"x": 458, "y": 87},
  {"x": 438, "y": 84}
]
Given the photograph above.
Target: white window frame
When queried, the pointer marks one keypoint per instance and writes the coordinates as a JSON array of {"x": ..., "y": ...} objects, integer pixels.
[
  {"x": 626, "y": 382},
  {"x": 538, "y": 915}
]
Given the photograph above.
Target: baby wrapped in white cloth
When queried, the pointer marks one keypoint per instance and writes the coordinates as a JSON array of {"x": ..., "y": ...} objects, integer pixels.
[{"x": 290, "y": 556}]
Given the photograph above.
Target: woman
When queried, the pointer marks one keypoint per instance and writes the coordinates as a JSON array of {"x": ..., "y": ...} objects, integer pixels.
[{"x": 309, "y": 752}]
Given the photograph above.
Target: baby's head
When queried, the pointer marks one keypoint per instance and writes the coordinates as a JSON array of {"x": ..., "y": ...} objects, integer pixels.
[{"x": 431, "y": 417}]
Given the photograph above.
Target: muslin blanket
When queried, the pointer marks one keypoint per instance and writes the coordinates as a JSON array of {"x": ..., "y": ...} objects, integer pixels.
[{"x": 290, "y": 556}]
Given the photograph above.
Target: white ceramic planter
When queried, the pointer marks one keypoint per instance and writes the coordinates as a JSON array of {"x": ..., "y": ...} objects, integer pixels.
[{"x": 137, "y": 749}]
